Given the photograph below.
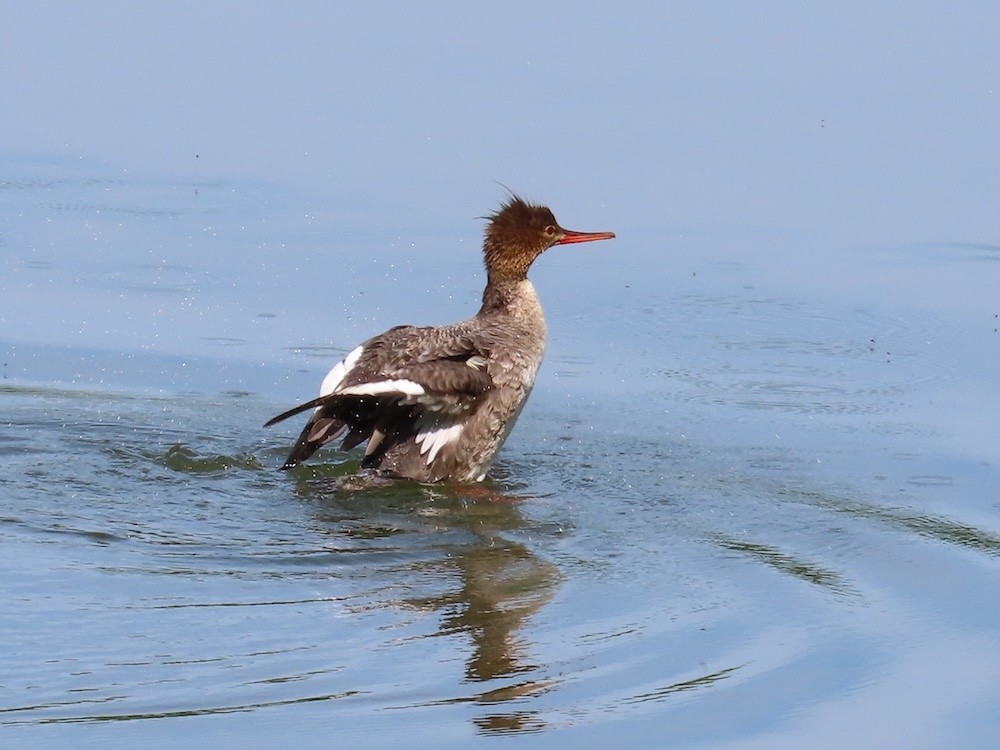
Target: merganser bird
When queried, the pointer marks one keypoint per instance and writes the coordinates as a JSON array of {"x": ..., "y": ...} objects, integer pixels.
[{"x": 437, "y": 403}]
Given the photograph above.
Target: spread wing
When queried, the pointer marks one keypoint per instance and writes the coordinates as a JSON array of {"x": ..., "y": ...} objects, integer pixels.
[{"x": 408, "y": 383}]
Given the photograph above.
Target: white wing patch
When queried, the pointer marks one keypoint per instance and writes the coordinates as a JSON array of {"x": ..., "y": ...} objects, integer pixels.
[
  {"x": 435, "y": 436},
  {"x": 336, "y": 376},
  {"x": 406, "y": 387}
]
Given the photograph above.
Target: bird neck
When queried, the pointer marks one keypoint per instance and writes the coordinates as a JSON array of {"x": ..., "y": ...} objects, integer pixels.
[{"x": 502, "y": 291}]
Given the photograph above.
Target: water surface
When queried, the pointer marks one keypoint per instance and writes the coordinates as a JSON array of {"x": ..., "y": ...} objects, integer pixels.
[{"x": 738, "y": 509}]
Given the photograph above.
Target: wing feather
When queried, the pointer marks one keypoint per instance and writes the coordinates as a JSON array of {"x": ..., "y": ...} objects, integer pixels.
[{"x": 406, "y": 384}]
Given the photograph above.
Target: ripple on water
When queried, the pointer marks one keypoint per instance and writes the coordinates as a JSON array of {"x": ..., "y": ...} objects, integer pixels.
[
  {"x": 201, "y": 576},
  {"x": 784, "y": 562},
  {"x": 183, "y": 459},
  {"x": 160, "y": 277},
  {"x": 773, "y": 354},
  {"x": 644, "y": 574},
  {"x": 76, "y": 189}
]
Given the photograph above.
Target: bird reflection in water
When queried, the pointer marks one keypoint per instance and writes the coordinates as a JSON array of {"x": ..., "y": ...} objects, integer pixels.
[{"x": 494, "y": 583}]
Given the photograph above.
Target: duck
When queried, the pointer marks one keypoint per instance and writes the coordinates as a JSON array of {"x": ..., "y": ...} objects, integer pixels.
[{"x": 436, "y": 403}]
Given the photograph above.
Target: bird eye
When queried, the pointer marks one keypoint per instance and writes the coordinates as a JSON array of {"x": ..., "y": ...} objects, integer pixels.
[{"x": 550, "y": 230}]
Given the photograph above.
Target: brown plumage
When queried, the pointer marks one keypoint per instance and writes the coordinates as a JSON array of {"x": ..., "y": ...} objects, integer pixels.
[{"x": 437, "y": 403}]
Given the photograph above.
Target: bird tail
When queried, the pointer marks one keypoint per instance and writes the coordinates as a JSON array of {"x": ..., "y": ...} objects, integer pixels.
[
  {"x": 295, "y": 410},
  {"x": 318, "y": 432}
]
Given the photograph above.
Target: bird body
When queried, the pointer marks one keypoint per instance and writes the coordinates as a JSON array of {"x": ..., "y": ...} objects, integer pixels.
[{"x": 437, "y": 403}]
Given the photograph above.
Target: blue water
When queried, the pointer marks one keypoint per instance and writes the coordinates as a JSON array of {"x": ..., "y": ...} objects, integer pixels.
[{"x": 753, "y": 501}]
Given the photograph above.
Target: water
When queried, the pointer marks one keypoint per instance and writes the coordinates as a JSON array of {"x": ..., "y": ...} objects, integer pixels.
[
  {"x": 754, "y": 500},
  {"x": 736, "y": 511}
]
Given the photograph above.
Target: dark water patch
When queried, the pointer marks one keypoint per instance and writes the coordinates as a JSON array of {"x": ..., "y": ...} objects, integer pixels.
[
  {"x": 939, "y": 254},
  {"x": 784, "y": 562},
  {"x": 146, "y": 716},
  {"x": 236, "y": 394},
  {"x": 211, "y": 605},
  {"x": 161, "y": 278},
  {"x": 62, "y": 392},
  {"x": 319, "y": 350},
  {"x": 185, "y": 460},
  {"x": 619, "y": 631},
  {"x": 224, "y": 340},
  {"x": 695, "y": 683},
  {"x": 69, "y": 189},
  {"x": 931, "y": 480},
  {"x": 515, "y": 722},
  {"x": 99, "y": 537},
  {"x": 931, "y": 526}
]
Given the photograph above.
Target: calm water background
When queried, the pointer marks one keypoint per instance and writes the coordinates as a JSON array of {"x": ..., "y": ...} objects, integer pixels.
[{"x": 754, "y": 500}]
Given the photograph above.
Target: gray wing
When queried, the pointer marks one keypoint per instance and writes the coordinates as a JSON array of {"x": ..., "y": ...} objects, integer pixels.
[{"x": 389, "y": 387}]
